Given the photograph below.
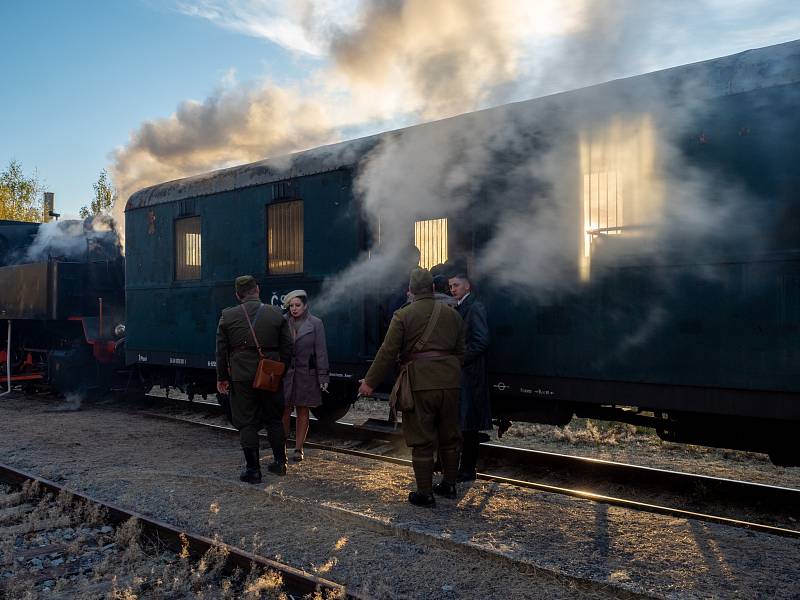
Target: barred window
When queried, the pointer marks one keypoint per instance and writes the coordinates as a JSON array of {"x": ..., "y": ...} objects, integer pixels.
[
  {"x": 620, "y": 192},
  {"x": 188, "y": 254},
  {"x": 430, "y": 237},
  {"x": 285, "y": 237}
]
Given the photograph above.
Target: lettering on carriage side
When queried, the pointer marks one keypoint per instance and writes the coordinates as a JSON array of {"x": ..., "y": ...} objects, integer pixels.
[
  {"x": 212, "y": 363},
  {"x": 342, "y": 375},
  {"x": 142, "y": 358},
  {"x": 537, "y": 392},
  {"x": 177, "y": 361},
  {"x": 277, "y": 300}
]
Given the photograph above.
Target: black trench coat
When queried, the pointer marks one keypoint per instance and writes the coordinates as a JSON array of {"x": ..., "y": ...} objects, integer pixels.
[{"x": 475, "y": 409}]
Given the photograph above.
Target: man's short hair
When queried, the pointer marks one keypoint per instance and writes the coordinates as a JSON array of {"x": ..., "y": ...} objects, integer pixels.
[
  {"x": 440, "y": 284},
  {"x": 463, "y": 276}
]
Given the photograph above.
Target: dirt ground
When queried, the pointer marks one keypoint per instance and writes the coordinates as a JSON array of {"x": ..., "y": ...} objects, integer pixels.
[
  {"x": 625, "y": 443},
  {"x": 346, "y": 518}
]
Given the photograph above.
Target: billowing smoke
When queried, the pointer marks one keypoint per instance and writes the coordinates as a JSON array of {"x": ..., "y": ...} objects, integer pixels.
[
  {"x": 233, "y": 126},
  {"x": 93, "y": 238},
  {"x": 393, "y": 63},
  {"x": 435, "y": 58},
  {"x": 400, "y": 61}
]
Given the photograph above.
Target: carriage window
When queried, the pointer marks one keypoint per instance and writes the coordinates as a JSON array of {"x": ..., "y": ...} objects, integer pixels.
[
  {"x": 188, "y": 258},
  {"x": 285, "y": 237},
  {"x": 620, "y": 196},
  {"x": 431, "y": 238}
]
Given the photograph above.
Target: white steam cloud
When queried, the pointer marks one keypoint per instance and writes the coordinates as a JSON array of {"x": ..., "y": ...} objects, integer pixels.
[
  {"x": 389, "y": 63},
  {"x": 74, "y": 240},
  {"x": 401, "y": 61}
]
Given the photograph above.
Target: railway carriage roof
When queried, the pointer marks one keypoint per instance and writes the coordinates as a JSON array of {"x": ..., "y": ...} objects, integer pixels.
[{"x": 746, "y": 71}]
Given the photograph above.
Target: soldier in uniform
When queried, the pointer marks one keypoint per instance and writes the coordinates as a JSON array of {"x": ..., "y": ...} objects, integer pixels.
[
  {"x": 237, "y": 361},
  {"x": 434, "y": 374}
]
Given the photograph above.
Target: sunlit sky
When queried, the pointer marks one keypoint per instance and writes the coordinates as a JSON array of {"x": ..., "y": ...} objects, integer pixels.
[{"x": 79, "y": 77}]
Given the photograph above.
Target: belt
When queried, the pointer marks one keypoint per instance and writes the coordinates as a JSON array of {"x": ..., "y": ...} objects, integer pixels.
[{"x": 428, "y": 355}]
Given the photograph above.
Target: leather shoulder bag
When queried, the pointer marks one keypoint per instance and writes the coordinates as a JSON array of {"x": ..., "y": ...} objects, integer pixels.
[{"x": 269, "y": 372}]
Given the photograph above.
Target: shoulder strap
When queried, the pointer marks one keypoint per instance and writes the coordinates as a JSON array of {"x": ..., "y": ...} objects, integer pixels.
[
  {"x": 253, "y": 331},
  {"x": 437, "y": 310},
  {"x": 258, "y": 314}
]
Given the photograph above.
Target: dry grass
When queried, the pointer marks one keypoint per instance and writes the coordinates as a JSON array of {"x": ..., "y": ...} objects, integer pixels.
[{"x": 126, "y": 566}]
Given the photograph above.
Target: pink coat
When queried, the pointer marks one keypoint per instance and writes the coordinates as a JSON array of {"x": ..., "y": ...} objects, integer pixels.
[{"x": 302, "y": 379}]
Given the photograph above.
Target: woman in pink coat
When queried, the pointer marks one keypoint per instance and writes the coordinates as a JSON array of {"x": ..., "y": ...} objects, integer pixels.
[{"x": 307, "y": 375}]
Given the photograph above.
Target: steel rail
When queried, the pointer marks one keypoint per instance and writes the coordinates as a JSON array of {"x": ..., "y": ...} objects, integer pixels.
[
  {"x": 591, "y": 471},
  {"x": 297, "y": 582},
  {"x": 575, "y": 493}
]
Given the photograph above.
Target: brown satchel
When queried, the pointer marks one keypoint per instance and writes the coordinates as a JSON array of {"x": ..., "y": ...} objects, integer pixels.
[
  {"x": 401, "y": 397},
  {"x": 269, "y": 372}
]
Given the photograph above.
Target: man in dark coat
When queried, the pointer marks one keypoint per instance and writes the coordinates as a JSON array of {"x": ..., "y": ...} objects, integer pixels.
[
  {"x": 434, "y": 372},
  {"x": 237, "y": 361},
  {"x": 475, "y": 410}
]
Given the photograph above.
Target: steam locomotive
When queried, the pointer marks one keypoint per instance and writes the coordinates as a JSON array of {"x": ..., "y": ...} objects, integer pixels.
[
  {"x": 61, "y": 300},
  {"x": 637, "y": 245}
]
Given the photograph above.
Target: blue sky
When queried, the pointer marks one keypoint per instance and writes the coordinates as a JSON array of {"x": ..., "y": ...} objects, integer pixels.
[{"x": 80, "y": 77}]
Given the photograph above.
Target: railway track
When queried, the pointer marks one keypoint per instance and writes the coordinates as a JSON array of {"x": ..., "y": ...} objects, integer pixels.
[
  {"x": 754, "y": 506},
  {"x": 66, "y": 544}
]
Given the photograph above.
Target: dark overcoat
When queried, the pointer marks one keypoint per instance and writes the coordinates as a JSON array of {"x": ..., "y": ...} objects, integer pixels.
[
  {"x": 475, "y": 409},
  {"x": 309, "y": 365},
  {"x": 237, "y": 355}
]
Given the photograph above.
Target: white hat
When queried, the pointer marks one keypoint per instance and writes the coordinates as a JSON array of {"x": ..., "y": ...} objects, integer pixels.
[{"x": 293, "y": 294}]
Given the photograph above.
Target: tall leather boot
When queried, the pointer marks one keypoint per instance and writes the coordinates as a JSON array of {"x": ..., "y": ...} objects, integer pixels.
[
  {"x": 423, "y": 473},
  {"x": 469, "y": 456},
  {"x": 447, "y": 487},
  {"x": 252, "y": 471},
  {"x": 277, "y": 439}
]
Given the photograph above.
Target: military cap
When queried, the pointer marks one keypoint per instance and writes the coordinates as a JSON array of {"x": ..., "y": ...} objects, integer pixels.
[
  {"x": 243, "y": 283},
  {"x": 294, "y": 294},
  {"x": 421, "y": 281}
]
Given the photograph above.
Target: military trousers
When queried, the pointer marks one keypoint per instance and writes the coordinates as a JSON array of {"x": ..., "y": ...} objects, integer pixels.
[
  {"x": 433, "y": 424},
  {"x": 434, "y": 420},
  {"x": 252, "y": 409}
]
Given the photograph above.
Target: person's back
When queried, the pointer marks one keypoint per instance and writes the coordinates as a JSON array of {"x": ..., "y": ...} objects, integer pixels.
[
  {"x": 445, "y": 372},
  {"x": 237, "y": 362},
  {"x": 268, "y": 323},
  {"x": 427, "y": 338}
]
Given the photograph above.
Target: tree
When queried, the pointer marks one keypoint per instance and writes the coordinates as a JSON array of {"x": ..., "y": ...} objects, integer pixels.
[
  {"x": 105, "y": 194},
  {"x": 19, "y": 195}
]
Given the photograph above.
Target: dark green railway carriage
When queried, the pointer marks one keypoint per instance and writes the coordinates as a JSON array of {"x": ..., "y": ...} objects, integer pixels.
[{"x": 689, "y": 326}]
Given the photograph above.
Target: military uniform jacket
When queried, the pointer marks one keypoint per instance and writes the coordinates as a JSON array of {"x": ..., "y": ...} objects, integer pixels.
[
  {"x": 407, "y": 326},
  {"x": 237, "y": 355}
]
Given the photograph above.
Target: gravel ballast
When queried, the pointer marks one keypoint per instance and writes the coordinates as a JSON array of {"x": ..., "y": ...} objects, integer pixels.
[{"x": 346, "y": 518}]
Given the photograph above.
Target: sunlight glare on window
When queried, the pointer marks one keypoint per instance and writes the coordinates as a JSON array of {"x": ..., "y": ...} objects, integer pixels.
[
  {"x": 619, "y": 192},
  {"x": 430, "y": 236}
]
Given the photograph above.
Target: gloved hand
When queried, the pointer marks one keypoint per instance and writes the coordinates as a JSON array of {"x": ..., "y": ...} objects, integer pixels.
[{"x": 323, "y": 387}]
